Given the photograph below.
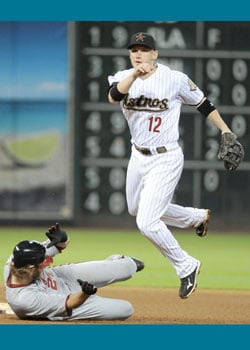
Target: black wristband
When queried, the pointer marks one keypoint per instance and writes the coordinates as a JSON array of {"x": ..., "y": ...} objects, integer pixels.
[
  {"x": 116, "y": 94},
  {"x": 206, "y": 107}
]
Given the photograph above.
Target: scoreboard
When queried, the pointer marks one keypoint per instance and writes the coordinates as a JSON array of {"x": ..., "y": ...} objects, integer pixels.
[{"x": 216, "y": 56}]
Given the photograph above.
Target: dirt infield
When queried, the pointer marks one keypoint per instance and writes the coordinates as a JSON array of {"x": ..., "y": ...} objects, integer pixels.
[{"x": 163, "y": 306}]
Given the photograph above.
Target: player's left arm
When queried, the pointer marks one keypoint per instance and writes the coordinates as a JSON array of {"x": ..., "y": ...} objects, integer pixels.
[
  {"x": 78, "y": 298},
  {"x": 207, "y": 108},
  {"x": 231, "y": 151},
  {"x": 217, "y": 120}
]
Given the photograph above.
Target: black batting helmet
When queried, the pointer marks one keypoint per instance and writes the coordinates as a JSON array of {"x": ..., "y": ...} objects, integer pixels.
[{"x": 28, "y": 253}]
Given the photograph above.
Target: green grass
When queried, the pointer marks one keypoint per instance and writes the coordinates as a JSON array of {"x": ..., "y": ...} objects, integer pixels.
[
  {"x": 34, "y": 148},
  {"x": 225, "y": 257}
]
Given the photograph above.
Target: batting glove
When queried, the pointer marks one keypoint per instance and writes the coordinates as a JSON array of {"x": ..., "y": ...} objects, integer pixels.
[
  {"x": 87, "y": 288},
  {"x": 57, "y": 237}
]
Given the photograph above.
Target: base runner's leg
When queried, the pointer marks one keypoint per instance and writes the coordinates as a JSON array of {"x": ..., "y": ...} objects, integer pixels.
[
  {"x": 100, "y": 308},
  {"x": 100, "y": 272}
]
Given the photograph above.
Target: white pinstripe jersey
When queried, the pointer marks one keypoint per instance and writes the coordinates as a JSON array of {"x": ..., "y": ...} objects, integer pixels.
[{"x": 153, "y": 105}]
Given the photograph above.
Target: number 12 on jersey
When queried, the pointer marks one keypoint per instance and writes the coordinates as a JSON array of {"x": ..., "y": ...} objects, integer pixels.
[{"x": 154, "y": 123}]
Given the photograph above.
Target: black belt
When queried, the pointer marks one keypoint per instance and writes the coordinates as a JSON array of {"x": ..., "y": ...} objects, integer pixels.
[{"x": 147, "y": 151}]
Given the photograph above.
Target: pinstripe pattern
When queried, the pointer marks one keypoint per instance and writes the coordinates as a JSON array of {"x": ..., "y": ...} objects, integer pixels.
[
  {"x": 163, "y": 84},
  {"x": 152, "y": 110}
]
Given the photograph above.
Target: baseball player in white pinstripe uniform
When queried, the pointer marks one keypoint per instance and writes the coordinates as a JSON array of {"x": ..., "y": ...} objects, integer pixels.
[{"x": 151, "y": 95}]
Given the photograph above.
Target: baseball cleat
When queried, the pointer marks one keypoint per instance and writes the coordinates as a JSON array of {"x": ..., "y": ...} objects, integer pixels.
[
  {"x": 201, "y": 230},
  {"x": 188, "y": 284},
  {"x": 139, "y": 264}
]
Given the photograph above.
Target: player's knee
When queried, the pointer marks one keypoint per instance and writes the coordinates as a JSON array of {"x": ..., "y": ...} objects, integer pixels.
[
  {"x": 143, "y": 225},
  {"x": 127, "y": 310},
  {"x": 123, "y": 311},
  {"x": 132, "y": 211}
]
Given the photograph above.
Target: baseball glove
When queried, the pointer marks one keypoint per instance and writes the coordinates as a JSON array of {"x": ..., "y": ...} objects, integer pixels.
[{"x": 231, "y": 151}]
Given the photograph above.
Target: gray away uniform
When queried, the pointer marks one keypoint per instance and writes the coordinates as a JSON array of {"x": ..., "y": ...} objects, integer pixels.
[{"x": 46, "y": 297}]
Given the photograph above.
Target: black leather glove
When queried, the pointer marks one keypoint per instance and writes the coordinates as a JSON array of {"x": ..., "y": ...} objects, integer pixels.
[
  {"x": 87, "y": 288},
  {"x": 56, "y": 235}
]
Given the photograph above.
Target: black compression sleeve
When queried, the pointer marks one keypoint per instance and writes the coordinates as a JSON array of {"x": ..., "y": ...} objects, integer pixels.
[
  {"x": 115, "y": 93},
  {"x": 206, "y": 107}
]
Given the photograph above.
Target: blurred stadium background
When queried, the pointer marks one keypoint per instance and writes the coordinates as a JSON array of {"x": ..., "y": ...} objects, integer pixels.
[{"x": 64, "y": 149}]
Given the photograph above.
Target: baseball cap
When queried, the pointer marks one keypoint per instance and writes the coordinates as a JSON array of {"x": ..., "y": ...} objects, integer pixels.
[{"x": 142, "y": 39}]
